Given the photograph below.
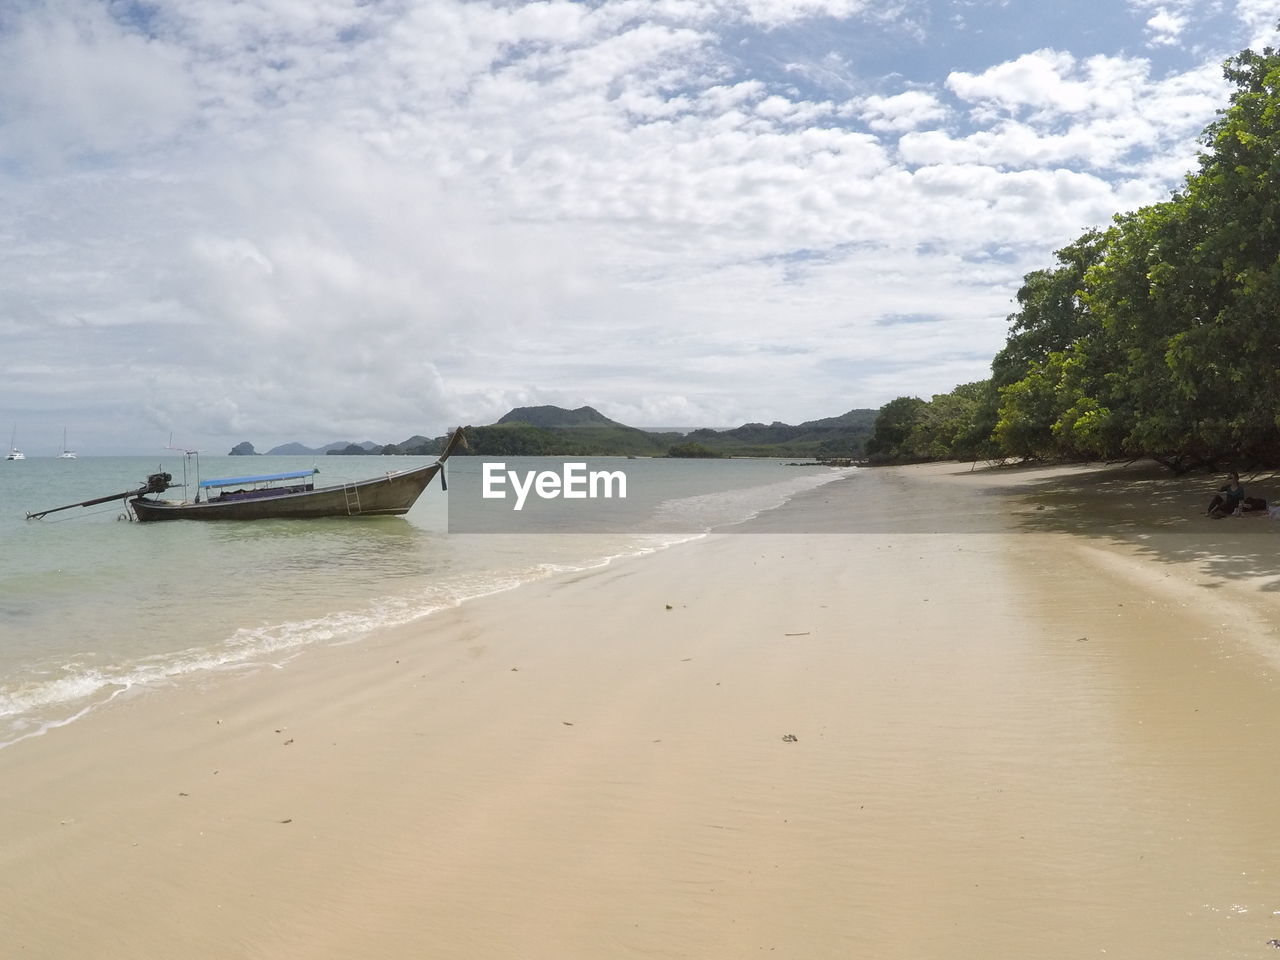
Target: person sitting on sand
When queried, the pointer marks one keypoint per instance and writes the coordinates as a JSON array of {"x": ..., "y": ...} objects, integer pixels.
[
  {"x": 1231, "y": 501},
  {"x": 1228, "y": 499}
]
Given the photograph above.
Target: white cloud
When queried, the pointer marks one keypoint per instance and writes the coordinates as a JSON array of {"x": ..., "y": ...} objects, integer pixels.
[
  {"x": 278, "y": 221},
  {"x": 1049, "y": 83},
  {"x": 1165, "y": 21},
  {"x": 1166, "y": 27},
  {"x": 774, "y": 12},
  {"x": 904, "y": 111},
  {"x": 1259, "y": 18},
  {"x": 1049, "y": 109},
  {"x": 77, "y": 83}
]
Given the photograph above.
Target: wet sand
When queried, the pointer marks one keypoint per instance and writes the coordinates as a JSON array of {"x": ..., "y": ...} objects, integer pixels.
[{"x": 993, "y": 714}]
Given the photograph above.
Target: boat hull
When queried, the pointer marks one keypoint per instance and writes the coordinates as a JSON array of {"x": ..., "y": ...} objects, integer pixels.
[{"x": 388, "y": 496}]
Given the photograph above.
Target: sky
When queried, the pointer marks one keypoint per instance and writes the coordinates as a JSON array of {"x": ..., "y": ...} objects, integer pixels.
[{"x": 319, "y": 220}]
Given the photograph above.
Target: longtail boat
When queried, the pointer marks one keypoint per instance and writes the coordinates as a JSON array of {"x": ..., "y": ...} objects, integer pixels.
[{"x": 281, "y": 496}]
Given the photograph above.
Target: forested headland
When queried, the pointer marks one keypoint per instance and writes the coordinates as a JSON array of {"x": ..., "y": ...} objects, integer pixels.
[{"x": 1157, "y": 337}]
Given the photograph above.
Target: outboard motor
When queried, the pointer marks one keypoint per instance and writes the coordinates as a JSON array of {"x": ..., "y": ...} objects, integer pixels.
[{"x": 157, "y": 483}]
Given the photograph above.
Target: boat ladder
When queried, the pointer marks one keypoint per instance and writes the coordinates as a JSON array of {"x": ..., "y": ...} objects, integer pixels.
[{"x": 353, "y": 499}]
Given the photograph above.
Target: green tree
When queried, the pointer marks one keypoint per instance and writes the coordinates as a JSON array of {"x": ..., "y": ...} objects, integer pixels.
[
  {"x": 958, "y": 423},
  {"x": 1053, "y": 310},
  {"x": 894, "y": 424},
  {"x": 693, "y": 450},
  {"x": 1159, "y": 336}
]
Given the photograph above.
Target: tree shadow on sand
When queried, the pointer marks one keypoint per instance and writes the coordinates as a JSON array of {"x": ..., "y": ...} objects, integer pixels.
[{"x": 1163, "y": 517}]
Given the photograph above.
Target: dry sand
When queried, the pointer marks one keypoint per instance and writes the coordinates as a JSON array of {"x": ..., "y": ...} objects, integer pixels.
[{"x": 1022, "y": 714}]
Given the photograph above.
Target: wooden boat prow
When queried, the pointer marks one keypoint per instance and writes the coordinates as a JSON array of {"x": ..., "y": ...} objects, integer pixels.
[
  {"x": 256, "y": 498},
  {"x": 281, "y": 496}
]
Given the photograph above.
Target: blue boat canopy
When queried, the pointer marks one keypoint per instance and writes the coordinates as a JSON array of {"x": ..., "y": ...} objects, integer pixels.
[{"x": 264, "y": 478}]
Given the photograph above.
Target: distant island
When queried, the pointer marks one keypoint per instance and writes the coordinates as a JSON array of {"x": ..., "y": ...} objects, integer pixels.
[
  {"x": 246, "y": 449},
  {"x": 556, "y": 431}
]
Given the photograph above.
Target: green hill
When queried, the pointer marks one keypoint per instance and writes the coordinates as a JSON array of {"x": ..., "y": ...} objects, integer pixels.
[
  {"x": 555, "y": 417},
  {"x": 555, "y": 431},
  {"x": 586, "y": 432},
  {"x": 842, "y": 436}
]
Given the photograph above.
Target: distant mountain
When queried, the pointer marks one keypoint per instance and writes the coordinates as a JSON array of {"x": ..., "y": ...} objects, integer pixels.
[
  {"x": 298, "y": 450},
  {"x": 556, "y": 417},
  {"x": 555, "y": 431},
  {"x": 842, "y": 436},
  {"x": 680, "y": 430},
  {"x": 351, "y": 449},
  {"x": 290, "y": 450}
]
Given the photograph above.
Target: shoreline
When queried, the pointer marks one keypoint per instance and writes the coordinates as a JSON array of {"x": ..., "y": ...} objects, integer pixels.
[
  {"x": 342, "y": 583},
  {"x": 1035, "y": 743}
]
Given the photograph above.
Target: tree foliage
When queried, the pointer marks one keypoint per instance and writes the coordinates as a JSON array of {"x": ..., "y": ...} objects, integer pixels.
[
  {"x": 1158, "y": 337},
  {"x": 693, "y": 450},
  {"x": 950, "y": 426}
]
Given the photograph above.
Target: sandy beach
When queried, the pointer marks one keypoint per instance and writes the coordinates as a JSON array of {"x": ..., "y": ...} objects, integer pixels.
[{"x": 920, "y": 713}]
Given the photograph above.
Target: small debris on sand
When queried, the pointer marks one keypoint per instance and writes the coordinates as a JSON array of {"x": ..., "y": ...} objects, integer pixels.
[{"x": 790, "y": 738}]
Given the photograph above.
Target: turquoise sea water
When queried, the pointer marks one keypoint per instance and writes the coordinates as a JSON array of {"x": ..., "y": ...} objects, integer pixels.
[{"x": 92, "y": 605}]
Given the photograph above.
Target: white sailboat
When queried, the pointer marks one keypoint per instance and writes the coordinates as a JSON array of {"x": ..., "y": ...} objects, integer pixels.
[
  {"x": 66, "y": 454},
  {"x": 14, "y": 452}
]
